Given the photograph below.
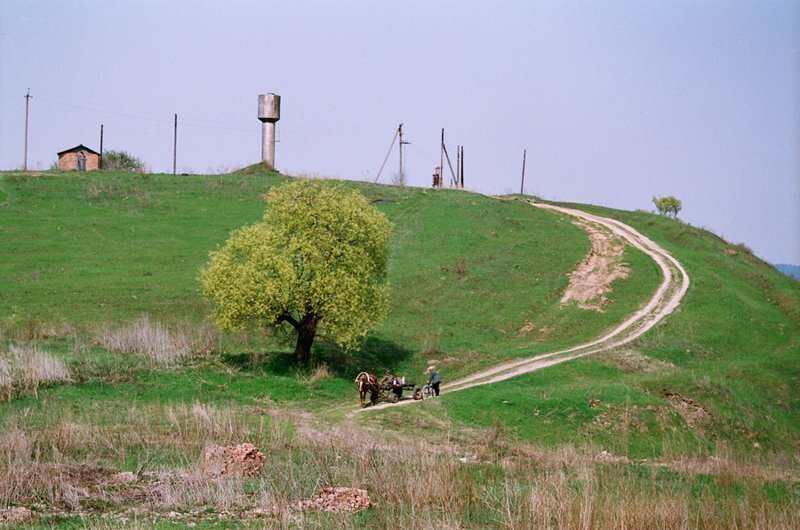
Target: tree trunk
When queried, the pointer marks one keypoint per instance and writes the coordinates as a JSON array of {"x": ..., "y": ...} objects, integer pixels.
[{"x": 306, "y": 330}]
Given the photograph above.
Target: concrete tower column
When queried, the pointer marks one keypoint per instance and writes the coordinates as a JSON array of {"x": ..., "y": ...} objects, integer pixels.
[{"x": 269, "y": 112}]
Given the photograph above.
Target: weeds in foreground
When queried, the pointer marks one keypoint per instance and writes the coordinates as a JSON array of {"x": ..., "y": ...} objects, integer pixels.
[{"x": 414, "y": 483}]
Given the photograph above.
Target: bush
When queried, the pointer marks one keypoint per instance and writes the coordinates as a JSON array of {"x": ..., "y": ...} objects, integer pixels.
[{"x": 121, "y": 161}]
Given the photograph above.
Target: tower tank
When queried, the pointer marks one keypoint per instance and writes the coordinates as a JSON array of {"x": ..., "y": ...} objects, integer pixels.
[{"x": 269, "y": 111}]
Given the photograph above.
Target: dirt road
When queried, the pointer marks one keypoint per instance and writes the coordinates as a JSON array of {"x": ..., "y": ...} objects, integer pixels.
[{"x": 663, "y": 302}]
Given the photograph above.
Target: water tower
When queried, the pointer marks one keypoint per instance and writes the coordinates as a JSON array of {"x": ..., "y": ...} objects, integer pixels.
[{"x": 269, "y": 111}]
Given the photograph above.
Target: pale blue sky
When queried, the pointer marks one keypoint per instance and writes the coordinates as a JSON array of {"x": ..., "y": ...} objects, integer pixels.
[{"x": 614, "y": 101}]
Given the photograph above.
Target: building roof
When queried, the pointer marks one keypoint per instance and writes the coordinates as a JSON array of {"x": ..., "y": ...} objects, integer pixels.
[{"x": 79, "y": 147}]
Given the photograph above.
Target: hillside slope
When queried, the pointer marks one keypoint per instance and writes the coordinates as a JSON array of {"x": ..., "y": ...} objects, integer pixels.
[
  {"x": 723, "y": 370},
  {"x": 694, "y": 424}
]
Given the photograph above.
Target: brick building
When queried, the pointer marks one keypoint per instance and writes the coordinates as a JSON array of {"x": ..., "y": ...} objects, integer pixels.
[{"x": 79, "y": 158}]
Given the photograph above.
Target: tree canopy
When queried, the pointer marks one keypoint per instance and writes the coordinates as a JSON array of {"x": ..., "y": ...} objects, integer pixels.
[
  {"x": 317, "y": 263},
  {"x": 669, "y": 205}
]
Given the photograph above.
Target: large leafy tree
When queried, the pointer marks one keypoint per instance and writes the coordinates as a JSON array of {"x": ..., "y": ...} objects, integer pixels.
[{"x": 316, "y": 263}]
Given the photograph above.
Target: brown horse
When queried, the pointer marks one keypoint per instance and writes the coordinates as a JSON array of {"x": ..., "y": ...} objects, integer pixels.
[{"x": 367, "y": 383}]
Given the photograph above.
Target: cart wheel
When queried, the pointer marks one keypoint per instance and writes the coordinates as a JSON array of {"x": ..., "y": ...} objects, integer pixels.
[
  {"x": 393, "y": 398},
  {"x": 417, "y": 394},
  {"x": 427, "y": 392}
]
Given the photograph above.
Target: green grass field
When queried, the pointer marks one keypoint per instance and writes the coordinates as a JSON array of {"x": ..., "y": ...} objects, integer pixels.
[{"x": 86, "y": 254}]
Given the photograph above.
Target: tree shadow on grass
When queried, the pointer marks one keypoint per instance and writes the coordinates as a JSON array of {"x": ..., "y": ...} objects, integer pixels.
[
  {"x": 375, "y": 356},
  {"x": 274, "y": 362}
]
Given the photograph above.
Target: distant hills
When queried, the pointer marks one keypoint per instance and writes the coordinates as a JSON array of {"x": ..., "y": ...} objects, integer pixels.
[{"x": 789, "y": 270}]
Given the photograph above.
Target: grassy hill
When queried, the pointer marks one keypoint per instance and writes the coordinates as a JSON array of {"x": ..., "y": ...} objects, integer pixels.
[{"x": 696, "y": 417}]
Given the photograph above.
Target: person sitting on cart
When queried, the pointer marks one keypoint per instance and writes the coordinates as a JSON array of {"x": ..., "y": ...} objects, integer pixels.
[
  {"x": 397, "y": 387},
  {"x": 393, "y": 383},
  {"x": 433, "y": 379}
]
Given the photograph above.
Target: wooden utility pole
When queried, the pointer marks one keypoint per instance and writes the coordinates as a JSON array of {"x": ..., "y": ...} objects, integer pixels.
[
  {"x": 25, "y": 159},
  {"x": 101, "y": 146},
  {"x": 522, "y": 184},
  {"x": 175, "y": 146},
  {"x": 462, "y": 167},
  {"x": 458, "y": 166},
  {"x": 441, "y": 161}
]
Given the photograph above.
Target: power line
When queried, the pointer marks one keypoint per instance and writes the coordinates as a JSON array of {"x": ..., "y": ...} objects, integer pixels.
[
  {"x": 150, "y": 118},
  {"x": 389, "y": 152}
]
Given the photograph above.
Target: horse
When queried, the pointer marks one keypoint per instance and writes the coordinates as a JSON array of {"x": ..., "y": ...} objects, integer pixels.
[{"x": 367, "y": 383}]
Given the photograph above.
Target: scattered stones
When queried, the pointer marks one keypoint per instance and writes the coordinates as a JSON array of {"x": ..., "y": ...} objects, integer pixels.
[
  {"x": 593, "y": 403},
  {"x": 243, "y": 460},
  {"x": 338, "y": 500}
]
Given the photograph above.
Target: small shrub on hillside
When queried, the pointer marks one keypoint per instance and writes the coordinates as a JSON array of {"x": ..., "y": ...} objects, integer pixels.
[{"x": 320, "y": 373}]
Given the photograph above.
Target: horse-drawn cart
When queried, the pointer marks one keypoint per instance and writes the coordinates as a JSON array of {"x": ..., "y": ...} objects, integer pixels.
[{"x": 385, "y": 392}]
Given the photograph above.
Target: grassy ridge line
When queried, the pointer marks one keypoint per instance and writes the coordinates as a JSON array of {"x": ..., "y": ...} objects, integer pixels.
[
  {"x": 666, "y": 298},
  {"x": 105, "y": 249}
]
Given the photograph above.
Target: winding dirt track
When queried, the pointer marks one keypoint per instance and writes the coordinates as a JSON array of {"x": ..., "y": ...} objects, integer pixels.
[{"x": 664, "y": 301}]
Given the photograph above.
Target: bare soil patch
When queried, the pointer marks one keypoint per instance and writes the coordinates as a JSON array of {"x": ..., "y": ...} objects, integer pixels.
[
  {"x": 591, "y": 281},
  {"x": 693, "y": 413}
]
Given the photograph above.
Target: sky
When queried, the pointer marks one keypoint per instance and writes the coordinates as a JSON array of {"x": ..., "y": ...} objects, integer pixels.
[{"x": 614, "y": 101}]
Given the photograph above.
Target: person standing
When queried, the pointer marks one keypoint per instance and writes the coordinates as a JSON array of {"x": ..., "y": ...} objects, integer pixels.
[{"x": 434, "y": 379}]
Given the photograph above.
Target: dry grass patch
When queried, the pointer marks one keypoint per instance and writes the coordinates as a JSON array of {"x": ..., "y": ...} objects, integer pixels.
[
  {"x": 25, "y": 368},
  {"x": 414, "y": 484},
  {"x": 162, "y": 345}
]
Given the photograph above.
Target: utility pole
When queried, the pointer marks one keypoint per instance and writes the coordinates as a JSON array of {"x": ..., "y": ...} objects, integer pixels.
[
  {"x": 522, "y": 184},
  {"x": 462, "y": 167},
  {"x": 101, "y": 146},
  {"x": 441, "y": 161},
  {"x": 175, "y": 146},
  {"x": 25, "y": 159},
  {"x": 401, "y": 177},
  {"x": 458, "y": 166}
]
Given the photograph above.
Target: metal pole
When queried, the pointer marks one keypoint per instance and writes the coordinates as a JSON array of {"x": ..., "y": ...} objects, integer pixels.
[
  {"x": 101, "y": 146},
  {"x": 522, "y": 184},
  {"x": 400, "y": 132},
  {"x": 175, "y": 146},
  {"x": 25, "y": 160}
]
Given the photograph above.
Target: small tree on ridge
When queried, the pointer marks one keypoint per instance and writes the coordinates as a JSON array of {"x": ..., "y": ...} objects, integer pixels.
[{"x": 669, "y": 205}]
